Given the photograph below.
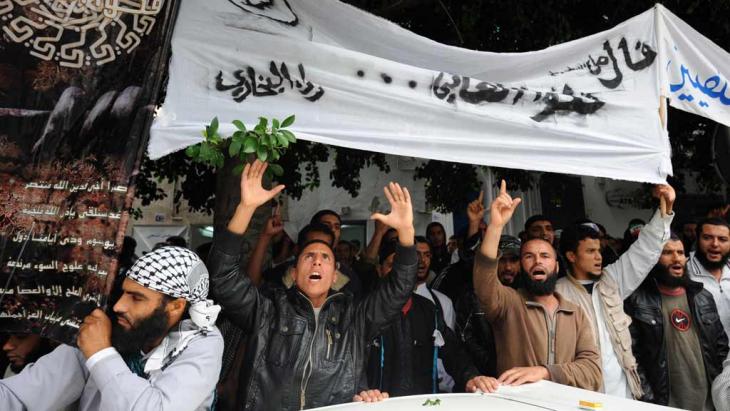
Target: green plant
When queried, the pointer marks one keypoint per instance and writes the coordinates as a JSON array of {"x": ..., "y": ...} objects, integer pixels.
[{"x": 264, "y": 142}]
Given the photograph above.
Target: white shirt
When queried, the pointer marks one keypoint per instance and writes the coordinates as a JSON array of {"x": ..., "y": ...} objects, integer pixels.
[
  {"x": 446, "y": 305},
  {"x": 720, "y": 290},
  {"x": 446, "y": 382}
]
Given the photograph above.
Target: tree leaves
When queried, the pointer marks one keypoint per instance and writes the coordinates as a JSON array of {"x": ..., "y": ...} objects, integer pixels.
[
  {"x": 267, "y": 144},
  {"x": 288, "y": 121}
]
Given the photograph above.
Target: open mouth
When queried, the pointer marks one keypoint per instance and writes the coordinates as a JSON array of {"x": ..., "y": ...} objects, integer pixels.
[
  {"x": 315, "y": 277},
  {"x": 539, "y": 275},
  {"x": 676, "y": 269}
]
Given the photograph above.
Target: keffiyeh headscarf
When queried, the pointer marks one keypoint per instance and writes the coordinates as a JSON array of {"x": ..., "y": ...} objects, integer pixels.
[{"x": 178, "y": 273}]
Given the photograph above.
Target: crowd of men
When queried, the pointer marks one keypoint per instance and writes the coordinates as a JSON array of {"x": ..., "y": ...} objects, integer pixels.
[{"x": 645, "y": 317}]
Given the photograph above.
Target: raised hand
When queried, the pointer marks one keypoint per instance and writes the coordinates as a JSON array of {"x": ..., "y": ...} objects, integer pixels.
[
  {"x": 253, "y": 193},
  {"x": 273, "y": 226},
  {"x": 475, "y": 210},
  {"x": 503, "y": 207},
  {"x": 666, "y": 195},
  {"x": 401, "y": 213}
]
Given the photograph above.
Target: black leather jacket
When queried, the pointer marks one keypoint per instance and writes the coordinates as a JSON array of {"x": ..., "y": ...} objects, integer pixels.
[
  {"x": 290, "y": 362},
  {"x": 402, "y": 357},
  {"x": 647, "y": 332},
  {"x": 475, "y": 331}
]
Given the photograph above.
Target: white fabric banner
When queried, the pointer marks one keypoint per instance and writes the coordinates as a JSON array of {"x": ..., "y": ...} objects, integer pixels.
[
  {"x": 590, "y": 106},
  {"x": 696, "y": 70}
]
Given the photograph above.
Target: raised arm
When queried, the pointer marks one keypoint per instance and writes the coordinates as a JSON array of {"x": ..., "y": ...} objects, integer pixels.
[
  {"x": 385, "y": 301},
  {"x": 371, "y": 252},
  {"x": 233, "y": 289},
  {"x": 272, "y": 227},
  {"x": 630, "y": 270},
  {"x": 493, "y": 296},
  {"x": 475, "y": 213}
]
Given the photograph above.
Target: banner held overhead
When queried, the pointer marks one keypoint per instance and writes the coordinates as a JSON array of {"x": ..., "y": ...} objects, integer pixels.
[{"x": 589, "y": 106}]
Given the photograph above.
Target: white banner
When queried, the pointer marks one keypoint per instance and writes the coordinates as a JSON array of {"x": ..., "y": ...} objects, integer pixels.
[
  {"x": 542, "y": 395},
  {"x": 697, "y": 70},
  {"x": 590, "y": 106}
]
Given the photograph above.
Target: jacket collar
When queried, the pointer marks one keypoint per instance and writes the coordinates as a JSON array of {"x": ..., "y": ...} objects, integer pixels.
[
  {"x": 692, "y": 287},
  {"x": 563, "y": 304}
]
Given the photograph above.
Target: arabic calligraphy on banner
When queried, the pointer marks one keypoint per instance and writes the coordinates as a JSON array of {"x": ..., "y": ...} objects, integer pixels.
[{"x": 66, "y": 156}]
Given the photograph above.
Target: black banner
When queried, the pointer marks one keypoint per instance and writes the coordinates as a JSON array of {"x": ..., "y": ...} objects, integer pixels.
[{"x": 78, "y": 86}]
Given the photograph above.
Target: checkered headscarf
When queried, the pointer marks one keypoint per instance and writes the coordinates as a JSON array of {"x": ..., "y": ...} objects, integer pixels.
[{"x": 178, "y": 273}]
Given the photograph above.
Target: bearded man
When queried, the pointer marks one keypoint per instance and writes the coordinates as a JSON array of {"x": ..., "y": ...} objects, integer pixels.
[
  {"x": 678, "y": 340},
  {"x": 151, "y": 358},
  {"x": 708, "y": 264},
  {"x": 525, "y": 322}
]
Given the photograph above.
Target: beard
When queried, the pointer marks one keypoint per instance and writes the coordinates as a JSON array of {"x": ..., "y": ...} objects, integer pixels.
[
  {"x": 144, "y": 333},
  {"x": 711, "y": 265},
  {"x": 663, "y": 277},
  {"x": 540, "y": 288}
]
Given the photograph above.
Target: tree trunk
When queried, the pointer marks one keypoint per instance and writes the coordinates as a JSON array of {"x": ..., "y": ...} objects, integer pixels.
[{"x": 227, "y": 197}]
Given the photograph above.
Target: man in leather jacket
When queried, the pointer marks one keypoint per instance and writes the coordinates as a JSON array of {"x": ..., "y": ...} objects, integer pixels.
[
  {"x": 678, "y": 339},
  {"x": 306, "y": 344}
]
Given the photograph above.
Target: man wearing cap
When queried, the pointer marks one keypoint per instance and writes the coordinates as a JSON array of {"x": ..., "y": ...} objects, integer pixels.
[
  {"x": 149, "y": 358},
  {"x": 508, "y": 269},
  {"x": 306, "y": 344}
]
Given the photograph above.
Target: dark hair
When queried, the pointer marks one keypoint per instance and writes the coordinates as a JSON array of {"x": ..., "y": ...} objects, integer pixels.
[
  {"x": 435, "y": 224},
  {"x": 314, "y": 228},
  {"x": 424, "y": 240},
  {"x": 537, "y": 217},
  {"x": 321, "y": 213},
  {"x": 674, "y": 237},
  {"x": 177, "y": 241},
  {"x": 573, "y": 235},
  {"x": 711, "y": 221},
  {"x": 347, "y": 243},
  {"x": 314, "y": 241}
]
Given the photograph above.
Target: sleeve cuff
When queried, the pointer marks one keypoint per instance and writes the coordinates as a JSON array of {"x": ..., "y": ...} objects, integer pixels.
[
  {"x": 661, "y": 225},
  {"x": 100, "y": 355},
  {"x": 228, "y": 242},
  {"x": 107, "y": 368},
  {"x": 556, "y": 374},
  {"x": 406, "y": 255}
]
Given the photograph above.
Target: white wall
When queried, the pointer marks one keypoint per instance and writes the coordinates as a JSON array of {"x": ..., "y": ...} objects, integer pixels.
[{"x": 373, "y": 181}]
